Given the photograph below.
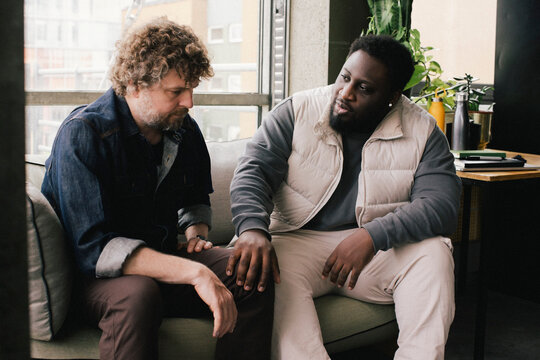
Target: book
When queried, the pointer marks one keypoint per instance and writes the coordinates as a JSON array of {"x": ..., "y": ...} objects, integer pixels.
[
  {"x": 493, "y": 165},
  {"x": 478, "y": 154}
]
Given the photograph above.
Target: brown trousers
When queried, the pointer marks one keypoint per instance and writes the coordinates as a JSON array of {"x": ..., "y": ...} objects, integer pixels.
[{"x": 129, "y": 309}]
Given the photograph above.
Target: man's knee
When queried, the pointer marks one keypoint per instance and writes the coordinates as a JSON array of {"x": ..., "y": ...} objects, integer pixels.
[
  {"x": 264, "y": 299},
  {"x": 435, "y": 255},
  {"x": 139, "y": 298}
]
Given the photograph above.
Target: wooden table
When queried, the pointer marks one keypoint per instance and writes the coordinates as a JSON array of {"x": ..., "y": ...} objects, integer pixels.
[{"x": 484, "y": 179}]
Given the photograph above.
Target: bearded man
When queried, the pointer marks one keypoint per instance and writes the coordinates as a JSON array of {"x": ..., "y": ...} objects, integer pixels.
[
  {"x": 125, "y": 175},
  {"x": 352, "y": 188}
]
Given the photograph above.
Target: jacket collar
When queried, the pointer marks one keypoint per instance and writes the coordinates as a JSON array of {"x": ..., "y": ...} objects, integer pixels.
[
  {"x": 390, "y": 127},
  {"x": 322, "y": 127},
  {"x": 127, "y": 123}
]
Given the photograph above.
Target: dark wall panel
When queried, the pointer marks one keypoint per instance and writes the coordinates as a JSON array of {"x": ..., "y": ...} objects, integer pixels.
[
  {"x": 347, "y": 19},
  {"x": 516, "y": 123},
  {"x": 514, "y": 251},
  {"x": 13, "y": 268}
]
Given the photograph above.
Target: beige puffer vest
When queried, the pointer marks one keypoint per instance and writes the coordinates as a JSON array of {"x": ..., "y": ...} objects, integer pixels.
[{"x": 389, "y": 161}]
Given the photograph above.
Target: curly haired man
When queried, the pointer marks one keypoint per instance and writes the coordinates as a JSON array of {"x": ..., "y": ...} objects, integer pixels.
[{"x": 125, "y": 174}]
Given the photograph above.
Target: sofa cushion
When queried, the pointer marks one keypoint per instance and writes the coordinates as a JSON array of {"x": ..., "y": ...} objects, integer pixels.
[
  {"x": 348, "y": 323},
  {"x": 345, "y": 323},
  {"x": 224, "y": 157},
  {"x": 49, "y": 268},
  {"x": 35, "y": 168}
]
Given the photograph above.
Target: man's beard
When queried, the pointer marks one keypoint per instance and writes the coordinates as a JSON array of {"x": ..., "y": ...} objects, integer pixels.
[
  {"x": 338, "y": 124},
  {"x": 165, "y": 122},
  {"x": 350, "y": 122},
  {"x": 344, "y": 124}
]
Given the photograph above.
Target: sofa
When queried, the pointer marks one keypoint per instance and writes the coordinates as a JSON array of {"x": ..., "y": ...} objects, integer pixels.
[{"x": 57, "y": 332}]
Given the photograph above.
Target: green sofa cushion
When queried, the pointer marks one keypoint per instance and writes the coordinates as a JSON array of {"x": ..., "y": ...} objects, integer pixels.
[{"x": 346, "y": 324}]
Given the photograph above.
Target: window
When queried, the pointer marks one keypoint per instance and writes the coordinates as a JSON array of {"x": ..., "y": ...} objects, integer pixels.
[
  {"x": 60, "y": 76},
  {"x": 41, "y": 31},
  {"x": 59, "y": 33},
  {"x": 216, "y": 35},
  {"x": 235, "y": 33},
  {"x": 74, "y": 34},
  {"x": 216, "y": 84},
  {"x": 462, "y": 33},
  {"x": 75, "y": 6},
  {"x": 235, "y": 83}
]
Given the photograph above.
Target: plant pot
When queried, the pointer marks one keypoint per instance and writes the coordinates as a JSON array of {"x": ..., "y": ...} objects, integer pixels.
[{"x": 483, "y": 119}]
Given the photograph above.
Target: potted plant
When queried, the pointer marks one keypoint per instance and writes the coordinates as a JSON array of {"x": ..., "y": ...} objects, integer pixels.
[
  {"x": 390, "y": 17},
  {"x": 393, "y": 17},
  {"x": 428, "y": 70},
  {"x": 475, "y": 95},
  {"x": 481, "y": 118}
]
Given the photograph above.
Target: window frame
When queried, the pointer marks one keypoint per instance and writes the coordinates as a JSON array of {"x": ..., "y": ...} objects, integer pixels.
[{"x": 263, "y": 99}]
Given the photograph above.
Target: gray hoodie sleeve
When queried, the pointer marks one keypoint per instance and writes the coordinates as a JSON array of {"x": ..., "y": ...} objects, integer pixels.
[
  {"x": 261, "y": 170},
  {"x": 435, "y": 198}
]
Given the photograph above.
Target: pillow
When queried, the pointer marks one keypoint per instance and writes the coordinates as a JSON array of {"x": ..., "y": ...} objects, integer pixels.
[{"x": 49, "y": 267}]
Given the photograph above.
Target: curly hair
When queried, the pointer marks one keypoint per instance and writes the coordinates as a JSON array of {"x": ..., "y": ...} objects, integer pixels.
[
  {"x": 147, "y": 54},
  {"x": 394, "y": 55}
]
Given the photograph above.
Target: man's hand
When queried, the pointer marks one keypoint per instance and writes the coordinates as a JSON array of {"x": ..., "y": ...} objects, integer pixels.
[
  {"x": 219, "y": 299},
  {"x": 254, "y": 253},
  {"x": 350, "y": 256},
  {"x": 195, "y": 244},
  {"x": 196, "y": 235},
  {"x": 172, "y": 269}
]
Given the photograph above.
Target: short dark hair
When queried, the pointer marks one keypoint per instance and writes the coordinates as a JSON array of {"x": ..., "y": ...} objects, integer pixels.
[{"x": 390, "y": 52}]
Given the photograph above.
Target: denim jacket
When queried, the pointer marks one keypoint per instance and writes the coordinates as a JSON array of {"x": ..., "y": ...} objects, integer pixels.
[{"x": 110, "y": 193}]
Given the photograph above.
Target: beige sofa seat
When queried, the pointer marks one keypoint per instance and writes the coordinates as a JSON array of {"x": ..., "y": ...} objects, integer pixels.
[{"x": 346, "y": 323}]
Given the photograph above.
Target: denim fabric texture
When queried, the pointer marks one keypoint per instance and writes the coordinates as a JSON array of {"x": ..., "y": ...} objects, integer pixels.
[{"x": 102, "y": 180}]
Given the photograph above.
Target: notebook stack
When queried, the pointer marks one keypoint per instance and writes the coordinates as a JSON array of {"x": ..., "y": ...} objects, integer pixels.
[{"x": 488, "y": 160}]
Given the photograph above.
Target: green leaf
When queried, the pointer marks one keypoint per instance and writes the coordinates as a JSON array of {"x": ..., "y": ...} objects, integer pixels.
[
  {"x": 479, "y": 92},
  {"x": 416, "y": 77},
  {"x": 400, "y": 34},
  {"x": 415, "y": 43},
  {"x": 438, "y": 83},
  {"x": 435, "y": 66}
]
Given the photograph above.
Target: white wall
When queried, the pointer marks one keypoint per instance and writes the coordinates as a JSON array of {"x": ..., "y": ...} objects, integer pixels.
[{"x": 464, "y": 33}]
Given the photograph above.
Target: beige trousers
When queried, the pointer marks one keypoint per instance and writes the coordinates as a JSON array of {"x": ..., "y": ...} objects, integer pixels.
[{"x": 418, "y": 278}]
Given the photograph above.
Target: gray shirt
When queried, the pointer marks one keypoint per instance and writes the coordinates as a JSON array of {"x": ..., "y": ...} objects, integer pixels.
[
  {"x": 338, "y": 212},
  {"x": 435, "y": 195}
]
